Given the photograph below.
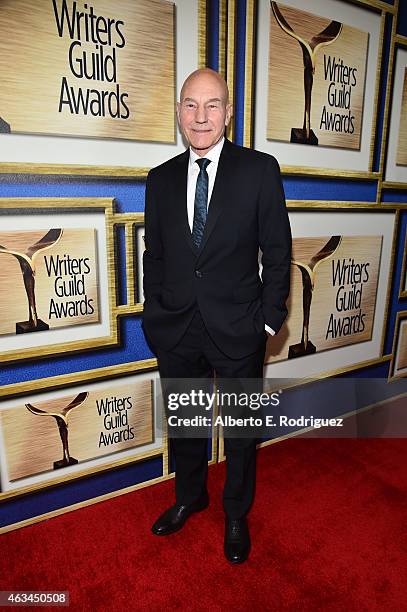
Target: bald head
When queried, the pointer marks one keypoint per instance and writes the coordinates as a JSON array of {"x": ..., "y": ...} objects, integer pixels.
[
  {"x": 204, "y": 109},
  {"x": 206, "y": 76}
]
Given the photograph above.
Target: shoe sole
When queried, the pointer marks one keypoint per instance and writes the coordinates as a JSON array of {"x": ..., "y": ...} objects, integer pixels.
[{"x": 237, "y": 561}]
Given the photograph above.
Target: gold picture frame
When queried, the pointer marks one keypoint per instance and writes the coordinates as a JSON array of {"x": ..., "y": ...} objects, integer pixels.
[
  {"x": 380, "y": 9},
  {"x": 400, "y": 326},
  {"x": 72, "y": 384},
  {"x": 399, "y": 43},
  {"x": 349, "y": 208},
  {"x": 130, "y": 222},
  {"x": 196, "y": 12},
  {"x": 403, "y": 277}
]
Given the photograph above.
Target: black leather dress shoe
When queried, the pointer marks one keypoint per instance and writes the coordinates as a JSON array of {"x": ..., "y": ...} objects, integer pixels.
[
  {"x": 237, "y": 540},
  {"x": 175, "y": 517}
]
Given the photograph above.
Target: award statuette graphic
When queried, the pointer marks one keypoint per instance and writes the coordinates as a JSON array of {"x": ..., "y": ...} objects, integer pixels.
[
  {"x": 305, "y": 135},
  {"x": 27, "y": 265},
  {"x": 62, "y": 421},
  {"x": 308, "y": 272}
]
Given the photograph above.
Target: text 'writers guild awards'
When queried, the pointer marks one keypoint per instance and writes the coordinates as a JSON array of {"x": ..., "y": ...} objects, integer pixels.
[
  {"x": 306, "y": 135},
  {"x": 62, "y": 421},
  {"x": 27, "y": 265},
  {"x": 308, "y": 272}
]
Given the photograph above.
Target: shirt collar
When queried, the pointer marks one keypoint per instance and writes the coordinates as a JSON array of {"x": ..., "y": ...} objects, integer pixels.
[{"x": 213, "y": 154}]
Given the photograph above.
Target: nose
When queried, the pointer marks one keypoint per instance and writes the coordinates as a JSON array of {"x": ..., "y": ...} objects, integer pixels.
[{"x": 201, "y": 114}]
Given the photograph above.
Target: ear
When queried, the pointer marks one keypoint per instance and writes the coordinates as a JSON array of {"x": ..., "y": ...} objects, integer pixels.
[
  {"x": 178, "y": 109},
  {"x": 229, "y": 113}
]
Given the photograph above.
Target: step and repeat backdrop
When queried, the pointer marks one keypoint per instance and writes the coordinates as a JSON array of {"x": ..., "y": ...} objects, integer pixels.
[{"x": 91, "y": 97}]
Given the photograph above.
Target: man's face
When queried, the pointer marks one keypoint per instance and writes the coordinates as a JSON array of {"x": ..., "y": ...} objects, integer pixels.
[{"x": 203, "y": 111}]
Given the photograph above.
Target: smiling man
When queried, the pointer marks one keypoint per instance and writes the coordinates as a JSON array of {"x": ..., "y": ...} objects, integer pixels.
[{"x": 208, "y": 212}]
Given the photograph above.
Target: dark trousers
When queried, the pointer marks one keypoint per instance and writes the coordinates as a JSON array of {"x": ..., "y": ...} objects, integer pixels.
[{"x": 197, "y": 356}]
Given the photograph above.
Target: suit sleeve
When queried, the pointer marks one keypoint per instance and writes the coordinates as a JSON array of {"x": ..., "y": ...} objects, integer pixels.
[
  {"x": 275, "y": 244},
  {"x": 152, "y": 257}
]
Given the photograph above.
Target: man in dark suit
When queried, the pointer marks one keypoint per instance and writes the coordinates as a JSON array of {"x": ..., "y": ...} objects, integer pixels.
[{"x": 207, "y": 213}]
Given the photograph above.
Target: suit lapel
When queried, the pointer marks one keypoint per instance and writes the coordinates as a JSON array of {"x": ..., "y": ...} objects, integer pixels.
[
  {"x": 181, "y": 186},
  {"x": 221, "y": 191}
]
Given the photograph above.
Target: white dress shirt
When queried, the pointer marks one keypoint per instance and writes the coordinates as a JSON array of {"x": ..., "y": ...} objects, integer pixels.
[
  {"x": 193, "y": 171},
  {"x": 211, "y": 169}
]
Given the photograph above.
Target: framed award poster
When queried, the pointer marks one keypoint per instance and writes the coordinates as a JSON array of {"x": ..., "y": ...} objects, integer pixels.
[
  {"x": 316, "y": 85},
  {"x": 396, "y": 159},
  {"x": 94, "y": 90},
  {"x": 340, "y": 275},
  {"x": 57, "y": 280},
  {"x": 398, "y": 366},
  {"x": 52, "y": 436}
]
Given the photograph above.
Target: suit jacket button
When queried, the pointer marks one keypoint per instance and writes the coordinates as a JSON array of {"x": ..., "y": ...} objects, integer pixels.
[{"x": 198, "y": 274}]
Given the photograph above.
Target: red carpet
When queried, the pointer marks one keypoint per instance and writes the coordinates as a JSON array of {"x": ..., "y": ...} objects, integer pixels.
[{"x": 328, "y": 530}]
